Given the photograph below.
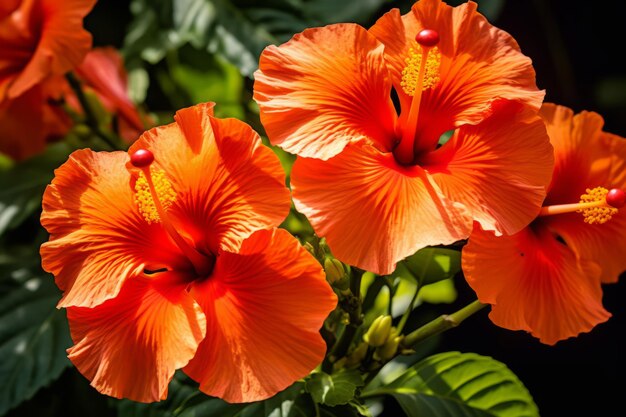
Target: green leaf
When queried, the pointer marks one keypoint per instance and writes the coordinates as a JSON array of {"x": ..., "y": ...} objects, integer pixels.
[
  {"x": 211, "y": 79},
  {"x": 138, "y": 83},
  {"x": 332, "y": 11},
  {"x": 336, "y": 389},
  {"x": 288, "y": 403},
  {"x": 439, "y": 292},
  {"x": 430, "y": 265},
  {"x": 353, "y": 409},
  {"x": 492, "y": 9},
  {"x": 236, "y": 30},
  {"x": 185, "y": 400},
  {"x": 22, "y": 185},
  {"x": 33, "y": 335},
  {"x": 454, "y": 384},
  {"x": 237, "y": 38}
]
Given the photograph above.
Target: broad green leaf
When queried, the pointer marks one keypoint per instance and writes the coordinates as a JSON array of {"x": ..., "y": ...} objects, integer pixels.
[
  {"x": 454, "y": 384},
  {"x": 237, "y": 38},
  {"x": 22, "y": 185},
  {"x": 216, "y": 26},
  {"x": 336, "y": 389},
  {"x": 236, "y": 30},
  {"x": 150, "y": 34},
  {"x": 33, "y": 335},
  {"x": 211, "y": 79},
  {"x": 430, "y": 265},
  {"x": 439, "y": 292}
]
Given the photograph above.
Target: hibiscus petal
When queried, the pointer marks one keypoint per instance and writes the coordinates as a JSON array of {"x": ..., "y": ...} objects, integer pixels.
[
  {"x": 323, "y": 89},
  {"x": 604, "y": 244},
  {"x": 587, "y": 157},
  {"x": 498, "y": 169},
  {"x": 20, "y": 137},
  {"x": 228, "y": 183},
  {"x": 131, "y": 345},
  {"x": 479, "y": 62},
  {"x": 97, "y": 237},
  {"x": 534, "y": 283},
  {"x": 31, "y": 120},
  {"x": 372, "y": 211},
  {"x": 264, "y": 308},
  {"x": 103, "y": 70},
  {"x": 62, "y": 44}
]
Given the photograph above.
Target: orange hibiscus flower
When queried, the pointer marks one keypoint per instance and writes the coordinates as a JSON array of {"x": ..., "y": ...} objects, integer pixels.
[
  {"x": 33, "y": 119},
  {"x": 41, "y": 40},
  {"x": 376, "y": 184},
  {"x": 103, "y": 72},
  {"x": 547, "y": 278},
  {"x": 168, "y": 259}
]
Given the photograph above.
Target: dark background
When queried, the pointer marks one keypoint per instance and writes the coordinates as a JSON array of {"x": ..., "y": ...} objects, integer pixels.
[{"x": 576, "y": 48}]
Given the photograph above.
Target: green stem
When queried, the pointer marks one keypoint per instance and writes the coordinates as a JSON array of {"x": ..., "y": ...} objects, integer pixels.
[
  {"x": 379, "y": 392},
  {"x": 408, "y": 311},
  {"x": 90, "y": 119},
  {"x": 442, "y": 323},
  {"x": 354, "y": 312},
  {"x": 355, "y": 282}
]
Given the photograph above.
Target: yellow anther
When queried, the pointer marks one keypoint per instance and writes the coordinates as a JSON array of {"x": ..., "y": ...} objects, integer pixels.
[
  {"x": 410, "y": 74},
  {"x": 143, "y": 197},
  {"x": 599, "y": 214}
]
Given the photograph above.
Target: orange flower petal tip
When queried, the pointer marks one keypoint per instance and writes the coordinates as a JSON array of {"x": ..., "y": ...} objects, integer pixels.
[{"x": 616, "y": 198}]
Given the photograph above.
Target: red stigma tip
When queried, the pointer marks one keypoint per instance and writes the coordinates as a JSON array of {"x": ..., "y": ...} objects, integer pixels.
[
  {"x": 427, "y": 38},
  {"x": 616, "y": 198},
  {"x": 142, "y": 158}
]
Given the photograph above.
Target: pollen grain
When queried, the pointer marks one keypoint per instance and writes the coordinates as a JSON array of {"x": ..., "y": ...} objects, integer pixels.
[
  {"x": 410, "y": 74},
  {"x": 599, "y": 214},
  {"x": 143, "y": 197}
]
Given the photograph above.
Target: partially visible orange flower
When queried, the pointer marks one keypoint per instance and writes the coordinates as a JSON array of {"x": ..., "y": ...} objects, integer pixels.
[
  {"x": 169, "y": 259},
  {"x": 103, "y": 72},
  {"x": 376, "y": 184},
  {"x": 33, "y": 119},
  {"x": 40, "y": 40},
  {"x": 547, "y": 278}
]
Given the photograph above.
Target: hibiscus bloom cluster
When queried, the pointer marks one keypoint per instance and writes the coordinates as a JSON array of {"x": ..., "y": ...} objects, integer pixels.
[
  {"x": 426, "y": 129},
  {"x": 41, "y": 41}
]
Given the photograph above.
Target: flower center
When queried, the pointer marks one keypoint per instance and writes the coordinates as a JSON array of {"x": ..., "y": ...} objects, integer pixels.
[
  {"x": 420, "y": 73},
  {"x": 597, "y": 205},
  {"x": 154, "y": 196},
  {"x": 145, "y": 200}
]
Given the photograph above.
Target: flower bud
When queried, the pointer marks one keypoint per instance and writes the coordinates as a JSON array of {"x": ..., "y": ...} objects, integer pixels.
[
  {"x": 357, "y": 355},
  {"x": 336, "y": 273},
  {"x": 389, "y": 349},
  {"x": 378, "y": 332},
  {"x": 309, "y": 248}
]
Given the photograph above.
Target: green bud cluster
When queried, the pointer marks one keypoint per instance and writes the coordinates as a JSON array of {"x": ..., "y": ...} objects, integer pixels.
[{"x": 336, "y": 274}]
